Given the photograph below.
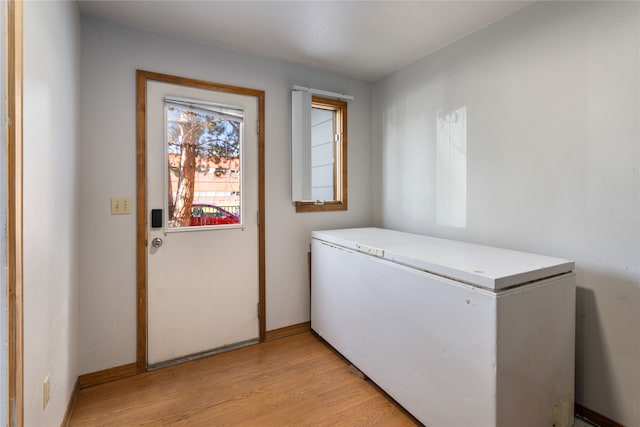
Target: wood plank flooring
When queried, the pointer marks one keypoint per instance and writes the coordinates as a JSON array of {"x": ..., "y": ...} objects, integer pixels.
[{"x": 297, "y": 380}]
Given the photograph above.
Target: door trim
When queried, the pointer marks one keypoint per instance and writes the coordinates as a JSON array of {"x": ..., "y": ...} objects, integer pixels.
[
  {"x": 14, "y": 182},
  {"x": 142, "y": 77}
]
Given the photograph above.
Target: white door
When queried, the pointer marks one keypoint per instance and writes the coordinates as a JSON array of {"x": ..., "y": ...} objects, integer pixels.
[{"x": 202, "y": 257}]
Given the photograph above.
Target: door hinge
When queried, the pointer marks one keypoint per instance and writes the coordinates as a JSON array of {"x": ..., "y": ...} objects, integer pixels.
[
  {"x": 258, "y": 306},
  {"x": 258, "y": 217},
  {"x": 257, "y": 127}
]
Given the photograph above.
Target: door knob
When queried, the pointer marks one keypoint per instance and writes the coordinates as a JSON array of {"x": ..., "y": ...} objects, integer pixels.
[{"x": 156, "y": 242}]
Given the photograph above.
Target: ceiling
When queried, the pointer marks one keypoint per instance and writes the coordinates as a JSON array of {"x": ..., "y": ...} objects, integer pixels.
[{"x": 361, "y": 39}]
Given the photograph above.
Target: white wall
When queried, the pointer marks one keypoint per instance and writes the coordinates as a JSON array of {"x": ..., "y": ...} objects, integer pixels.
[
  {"x": 51, "y": 72},
  {"x": 552, "y": 164},
  {"x": 110, "y": 56}
]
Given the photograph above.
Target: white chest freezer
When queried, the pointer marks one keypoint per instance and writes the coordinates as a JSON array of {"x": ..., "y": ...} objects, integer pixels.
[{"x": 460, "y": 335}]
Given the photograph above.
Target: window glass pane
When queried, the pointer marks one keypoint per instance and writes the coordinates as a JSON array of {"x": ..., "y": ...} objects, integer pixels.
[
  {"x": 322, "y": 154},
  {"x": 204, "y": 176}
]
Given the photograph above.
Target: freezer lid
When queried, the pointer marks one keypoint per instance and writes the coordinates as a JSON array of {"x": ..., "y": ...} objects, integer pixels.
[{"x": 482, "y": 266}]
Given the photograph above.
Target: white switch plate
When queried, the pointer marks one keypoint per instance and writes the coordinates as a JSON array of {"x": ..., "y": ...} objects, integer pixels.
[{"x": 120, "y": 206}]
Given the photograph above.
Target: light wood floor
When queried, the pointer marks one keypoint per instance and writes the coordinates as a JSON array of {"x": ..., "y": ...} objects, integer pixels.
[{"x": 296, "y": 380}]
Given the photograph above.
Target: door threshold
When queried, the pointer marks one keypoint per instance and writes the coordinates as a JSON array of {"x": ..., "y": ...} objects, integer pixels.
[{"x": 203, "y": 354}]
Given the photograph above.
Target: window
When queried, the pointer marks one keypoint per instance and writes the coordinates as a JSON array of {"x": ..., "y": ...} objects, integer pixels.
[
  {"x": 204, "y": 147},
  {"x": 322, "y": 184}
]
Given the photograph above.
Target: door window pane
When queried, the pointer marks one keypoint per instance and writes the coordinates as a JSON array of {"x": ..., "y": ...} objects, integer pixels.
[{"x": 204, "y": 164}]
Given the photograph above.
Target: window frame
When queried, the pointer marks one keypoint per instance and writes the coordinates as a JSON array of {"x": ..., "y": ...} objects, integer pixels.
[{"x": 339, "y": 203}]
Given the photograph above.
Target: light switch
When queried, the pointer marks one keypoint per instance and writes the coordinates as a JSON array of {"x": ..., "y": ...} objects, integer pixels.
[{"x": 120, "y": 206}]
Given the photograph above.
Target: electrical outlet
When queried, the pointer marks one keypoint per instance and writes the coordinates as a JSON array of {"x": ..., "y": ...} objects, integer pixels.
[
  {"x": 45, "y": 392},
  {"x": 562, "y": 415},
  {"x": 566, "y": 412},
  {"x": 120, "y": 206}
]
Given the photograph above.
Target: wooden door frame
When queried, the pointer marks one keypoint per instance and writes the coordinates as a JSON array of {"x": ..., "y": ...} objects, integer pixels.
[
  {"x": 142, "y": 77},
  {"x": 14, "y": 182}
]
